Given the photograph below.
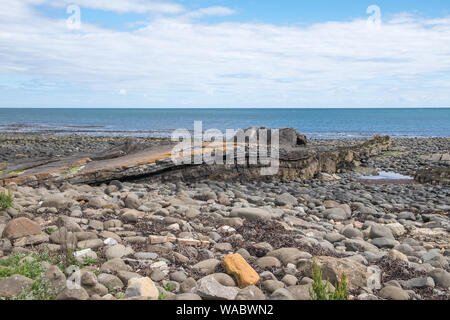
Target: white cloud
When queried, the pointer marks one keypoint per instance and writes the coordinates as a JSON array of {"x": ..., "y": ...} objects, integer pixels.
[
  {"x": 120, "y": 6},
  {"x": 180, "y": 62},
  {"x": 210, "y": 11},
  {"x": 123, "y": 92}
]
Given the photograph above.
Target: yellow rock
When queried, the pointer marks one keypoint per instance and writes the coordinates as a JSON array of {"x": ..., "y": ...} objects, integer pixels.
[{"x": 244, "y": 274}]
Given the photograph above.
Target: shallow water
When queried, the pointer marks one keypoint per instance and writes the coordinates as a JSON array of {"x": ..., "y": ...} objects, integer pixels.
[{"x": 388, "y": 175}]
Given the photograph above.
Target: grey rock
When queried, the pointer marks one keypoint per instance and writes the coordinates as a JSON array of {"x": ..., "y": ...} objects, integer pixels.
[
  {"x": 96, "y": 203},
  {"x": 142, "y": 287},
  {"x": 282, "y": 294},
  {"x": 206, "y": 266},
  {"x": 188, "y": 296},
  {"x": 114, "y": 266},
  {"x": 73, "y": 294},
  {"x": 118, "y": 251},
  {"x": 224, "y": 247},
  {"x": 406, "y": 215},
  {"x": 334, "y": 237},
  {"x": 268, "y": 262},
  {"x": 55, "y": 201},
  {"x": 441, "y": 278},
  {"x": 359, "y": 245},
  {"x": 351, "y": 232},
  {"x": 110, "y": 281},
  {"x": 178, "y": 276},
  {"x": 300, "y": 292},
  {"x": 96, "y": 225},
  {"x": 379, "y": 231},
  {"x": 251, "y": 213},
  {"x": 272, "y": 285},
  {"x": 125, "y": 276},
  {"x": 56, "y": 278},
  {"x": 250, "y": 293},
  {"x": 132, "y": 201},
  {"x": 157, "y": 275},
  {"x": 91, "y": 243},
  {"x": 289, "y": 255},
  {"x": 146, "y": 255},
  {"x": 224, "y": 279},
  {"x": 188, "y": 285},
  {"x": 289, "y": 280},
  {"x": 286, "y": 199},
  {"x": 394, "y": 293},
  {"x": 13, "y": 285},
  {"x": 418, "y": 283},
  {"x": 210, "y": 289},
  {"x": 337, "y": 214},
  {"x": 384, "y": 242}
]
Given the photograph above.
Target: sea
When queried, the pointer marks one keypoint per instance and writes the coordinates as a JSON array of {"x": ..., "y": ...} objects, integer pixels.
[{"x": 314, "y": 123}]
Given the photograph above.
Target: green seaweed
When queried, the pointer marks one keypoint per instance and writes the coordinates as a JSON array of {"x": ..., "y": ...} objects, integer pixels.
[
  {"x": 72, "y": 170},
  {"x": 16, "y": 173},
  {"x": 387, "y": 154}
]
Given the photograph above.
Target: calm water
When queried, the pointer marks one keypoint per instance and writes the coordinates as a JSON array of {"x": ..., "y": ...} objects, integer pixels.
[{"x": 320, "y": 123}]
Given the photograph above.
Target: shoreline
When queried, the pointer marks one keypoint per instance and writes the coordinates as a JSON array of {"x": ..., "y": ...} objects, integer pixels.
[
  {"x": 154, "y": 134},
  {"x": 101, "y": 142}
]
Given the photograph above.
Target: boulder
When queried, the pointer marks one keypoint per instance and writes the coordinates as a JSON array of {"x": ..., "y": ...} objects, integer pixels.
[
  {"x": 337, "y": 214},
  {"x": 441, "y": 278},
  {"x": 300, "y": 292},
  {"x": 73, "y": 294},
  {"x": 110, "y": 281},
  {"x": 210, "y": 289},
  {"x": 20, "y": 227},
  {"x": 394, "y": 293},
  {"x": 268, "y": 262},
  {"x": 282, "y": 294},
  {"x": 114, "y": 266},
  {"x": 244, "y": 274},
  {"x": 286, "y": 199},
  {"x": 251, "y": 213},
  {"x": 56, "y": 278},
  {"x": 118, "y": 251},
  {"x": 13, "y": 285},
  {"x": 142, "y": 287},
  {"x": 250, "y": 293},
  {"x": 55, "y": 201},
  {"x": 206, "y": 266},
  {"x": 132, "y": 201},
  {"x": 289, "y": 255},
  {"x": 333, "y": 269},
  {"x": 380, "y": 231}
]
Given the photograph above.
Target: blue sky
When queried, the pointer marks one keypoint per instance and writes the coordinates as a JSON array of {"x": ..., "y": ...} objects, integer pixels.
[
  {"x": 225, "y": 53},
  {"x": 280, "y": 12}
]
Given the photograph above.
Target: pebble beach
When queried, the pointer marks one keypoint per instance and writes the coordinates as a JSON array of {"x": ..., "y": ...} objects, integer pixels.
[{"x": 253, "y": 240}]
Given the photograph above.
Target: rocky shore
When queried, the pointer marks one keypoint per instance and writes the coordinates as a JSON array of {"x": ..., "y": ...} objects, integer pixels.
[{"x": 227, "y": 240}]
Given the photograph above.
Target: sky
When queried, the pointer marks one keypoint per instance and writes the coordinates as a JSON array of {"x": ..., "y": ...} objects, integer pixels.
[{"x": 224, "y": 53}]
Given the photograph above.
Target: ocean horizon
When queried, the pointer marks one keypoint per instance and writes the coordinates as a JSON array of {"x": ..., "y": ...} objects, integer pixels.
[{"x": 313, "y": 122}]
